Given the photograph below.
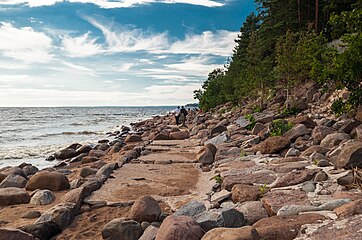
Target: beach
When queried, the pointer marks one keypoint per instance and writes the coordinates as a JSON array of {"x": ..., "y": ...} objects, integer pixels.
[{"x": 211, "y": 178}]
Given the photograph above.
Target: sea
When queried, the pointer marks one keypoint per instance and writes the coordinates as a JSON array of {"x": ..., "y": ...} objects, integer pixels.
[{"x": 31, "y": 134}]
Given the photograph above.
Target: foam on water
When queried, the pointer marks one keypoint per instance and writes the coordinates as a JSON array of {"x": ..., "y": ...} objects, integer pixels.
[{"x": 32, "y": 134}]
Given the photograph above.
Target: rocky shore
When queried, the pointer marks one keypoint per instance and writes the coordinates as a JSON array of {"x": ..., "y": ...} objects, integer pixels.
[{"x": 230, "y": 174}]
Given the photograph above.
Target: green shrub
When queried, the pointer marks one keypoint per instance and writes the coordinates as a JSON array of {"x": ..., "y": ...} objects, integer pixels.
[
  {"x": 217, "y": 179},
  {"x": 251, "y": 118},
  {"x": 290, "y": 111},
  {"x": 279, "y": 127},
  {"x": 257, "y": 109}
]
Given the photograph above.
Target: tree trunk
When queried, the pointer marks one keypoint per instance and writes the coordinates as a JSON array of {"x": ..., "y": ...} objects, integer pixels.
[
  {"x": 299, "y": 16},
  {"x": 316, "y": 15}
]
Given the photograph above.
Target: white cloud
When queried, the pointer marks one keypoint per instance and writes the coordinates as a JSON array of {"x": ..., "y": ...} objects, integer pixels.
[
  {"x": 130, "y": 40},
  {"x": 81, "y": 46},
  {"x": 77, "y": 67},
  {"x": 195, "y": 66},
  {"x": 24, "y": 44},
  {"x": 113, "y": 3},
  {"x": 13, "y": 78},
  {"x": 125, "y": 67},
  {"x": 153, "y": 95},
  {"x": 31, "y": 3},
  {"x": 219, "y": 43}
]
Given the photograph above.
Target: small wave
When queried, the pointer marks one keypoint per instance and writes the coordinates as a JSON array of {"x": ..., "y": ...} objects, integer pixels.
[
  {"x": 27, "y": 152},
  {"x": 82, "y": 133},
  {"x": 70, "y": 133},
  {"x": 21, "y": 120},
  {"x": 77, "y": 124}
]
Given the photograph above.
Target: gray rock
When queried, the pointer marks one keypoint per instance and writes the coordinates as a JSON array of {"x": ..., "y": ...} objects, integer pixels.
[
  {"x": 331, "y": 205},
  {"x": 220, "y": 218},
  {"x": 149, "y": 234},
  {"x": 253, "y": 211},
  {"x": 120, "y": 229},
  {"x": 219, "y": 139},
  {"x": 220, "y": 196},
  {"x": 334, "y": 139},
  {"x": 192, "y": 209},
  {"x": 346, "y": 180},
  {"x": 242, "y": 122},
  {"x": 350, "y": 156},
  {"x": 12, "y": 234},
  {"x": 31, "y": 214},
  {"x": 30, "y": 170},
  {"x": 257, "y": 128},
  {"x": 320, "y": 176},
  {"x": 309, "y": 187},
  {"x": 107, "y": 170},
  {"x": 42, "y": 197},
  {"x": 297, "y": 131},
  {"x": 323, "y": 163},
  {"x": 62, "y": 214},
  {"x": 65, "y": 154},
  {"x": 295, "y": 210},
  {"x": 13, "y": 180},
  {"x": 218, "y": 130},
  {"x": 12, "y": 196},
  {"x": 292, "y": 153},
  {"x": 87, "y": 171},
  {"x": 43, "y": 230}
]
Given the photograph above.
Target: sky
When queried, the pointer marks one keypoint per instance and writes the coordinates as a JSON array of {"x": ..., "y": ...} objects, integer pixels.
[{"x": 113, "y": 52}]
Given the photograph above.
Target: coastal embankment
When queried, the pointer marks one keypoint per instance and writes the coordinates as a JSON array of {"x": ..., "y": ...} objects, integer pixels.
[{"x": 228, "y": 174}]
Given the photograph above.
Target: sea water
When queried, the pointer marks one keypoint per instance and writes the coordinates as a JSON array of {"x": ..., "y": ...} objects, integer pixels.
[{"x": 32, "y": 134}]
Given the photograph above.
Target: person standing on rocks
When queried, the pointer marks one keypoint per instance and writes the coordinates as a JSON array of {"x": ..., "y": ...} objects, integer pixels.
[
  {"x": 183, "y": 114},
  {"x": 177, "y": 115}
]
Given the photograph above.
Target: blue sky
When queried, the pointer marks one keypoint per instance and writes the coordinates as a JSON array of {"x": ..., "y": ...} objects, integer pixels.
[{"x": 113, "y": 52}]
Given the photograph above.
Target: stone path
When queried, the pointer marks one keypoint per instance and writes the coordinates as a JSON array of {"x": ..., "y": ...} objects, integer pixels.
[{"x": 168, "y": 171}]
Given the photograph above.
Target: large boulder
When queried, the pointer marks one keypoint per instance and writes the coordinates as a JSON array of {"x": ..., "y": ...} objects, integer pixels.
[
  {"x": 96, "y": 153},
  {"x": 42, "y": 197},
  {"x": 13, "y": 181},
  {"x": 120, "y": 229},
  {"x": 320, "y": 132},
  {"x": 43, "y": 230},
  {"x": 191, "y": 209},
  {"x": 243, "y": 233},
  {"x": 62, "y": 214},
  {"x": 297, "y": 131},
  {"x": 307, "y": 121},
  {"x": 344, "y": 228},
  {"x": 150, "y": 233},
  {"x": 272, "y": 145},
  {"x": 219, "y": 139},
  {"x": 334, "y": 139},
  {"x": 53, "y": 181},
  {"x": 253, "y": 211},
  {"x": 14, "y": 234},
  {"x": 206, "y": 155},
  {"x": 242, "y": 193},
  {"x": 275, "y": 200},
  {"x": 12, "y": 196},
  {"x": 350, "y": 156},
  {"x": 145, "y": 209},
  {"x": 133, "y": 138},
  {"x": 30, "y": 170},
  {"x": 65, "y": 154},
  {"x": 220, "y": 218},
  {"x": 218, "y": 129},
  {"x": 284, "y": 227},
  {"x": 242, "y": 122},
  {"x": 179, "y": 228},
  {"x": 84, "y": 149},
  {"x": 181, "y": 135}
]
